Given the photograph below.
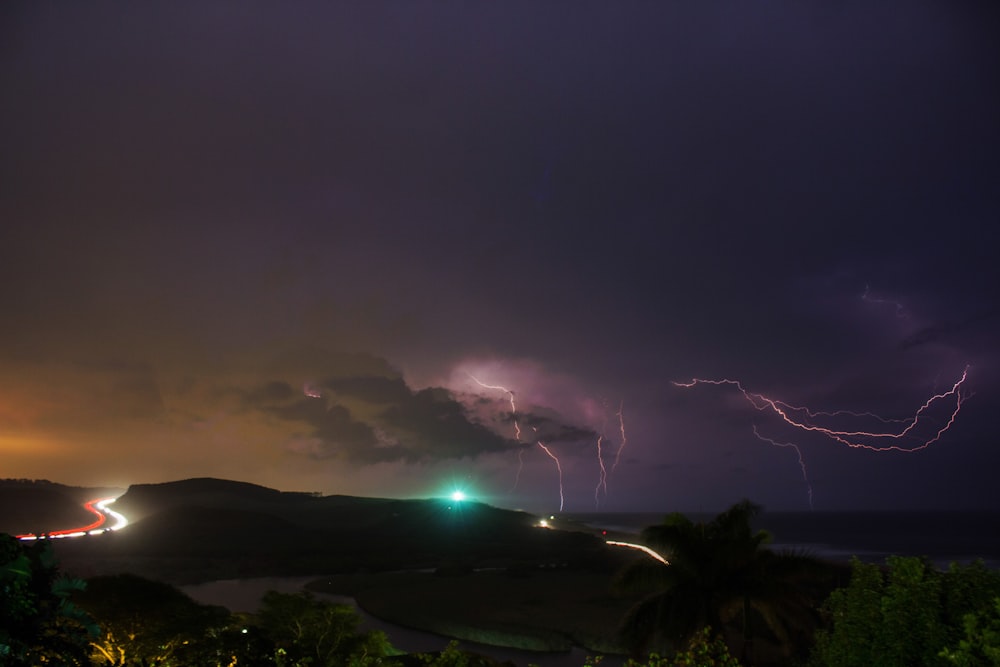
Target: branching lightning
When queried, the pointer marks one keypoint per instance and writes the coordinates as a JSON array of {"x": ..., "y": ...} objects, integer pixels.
[
  {"x": 513, "y": 405},
  {"x": 517, "y": 436},
  {"x": 799, "y": 417},
  {"x": 798, "y": 452},
  {"x": 896, "y": 435},
  {"x": 602, "y": 482}
]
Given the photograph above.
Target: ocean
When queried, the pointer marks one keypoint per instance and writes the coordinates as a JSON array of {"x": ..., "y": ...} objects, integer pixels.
[{"x": 942, "y": 537}]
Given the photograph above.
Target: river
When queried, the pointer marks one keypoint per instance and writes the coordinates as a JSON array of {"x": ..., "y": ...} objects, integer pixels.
[{"x": 244, "y": 595}]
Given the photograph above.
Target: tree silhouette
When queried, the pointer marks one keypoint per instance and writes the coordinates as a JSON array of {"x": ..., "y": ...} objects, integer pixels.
[
  {"x": 147, "y": 622},
  {"x": 720, "y": 576},
  {"x": 38, "y": 622}
]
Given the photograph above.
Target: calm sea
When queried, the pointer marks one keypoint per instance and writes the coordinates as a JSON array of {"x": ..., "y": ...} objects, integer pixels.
[{"x": 943, "y": 537}]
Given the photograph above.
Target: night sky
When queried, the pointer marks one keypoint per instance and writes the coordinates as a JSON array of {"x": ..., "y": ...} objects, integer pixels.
[{"x": 280, "y": 243}]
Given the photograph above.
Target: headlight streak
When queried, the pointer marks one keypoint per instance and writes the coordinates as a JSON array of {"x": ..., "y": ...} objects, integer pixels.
[
  {"x": 641, "y": 547},
  {"x": 100, "y": 509}
]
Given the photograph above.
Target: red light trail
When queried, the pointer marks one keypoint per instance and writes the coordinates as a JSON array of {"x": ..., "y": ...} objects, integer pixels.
[
  {"x": 89, "y": 506},
  {"x": 98, "y": 508}
]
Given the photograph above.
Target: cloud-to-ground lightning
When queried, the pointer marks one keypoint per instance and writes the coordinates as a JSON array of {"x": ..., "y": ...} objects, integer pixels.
[
  {"x": 602, "y": 442},
  {"x": 621, "y": 428},
  {"x": 520, "y": 467},
  {"x": 602, "y": 476},
  {"x": 517, "y": 436},
  {"x": 602, "y": 479},
  {"x": 884, "y": 440},
  {"x": 559, "y": 468},
  {"x": 798, "y": 452}
]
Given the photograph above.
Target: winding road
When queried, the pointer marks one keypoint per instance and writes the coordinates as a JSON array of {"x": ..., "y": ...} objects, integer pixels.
[{"x": 99, "y": 508}]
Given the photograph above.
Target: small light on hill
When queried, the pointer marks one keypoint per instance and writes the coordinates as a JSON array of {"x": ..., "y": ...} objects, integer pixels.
[{"x": 458, "y": 496}]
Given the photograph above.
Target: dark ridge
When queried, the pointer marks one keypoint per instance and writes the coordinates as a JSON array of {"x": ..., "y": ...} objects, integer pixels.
[
  {"x": 203, "y": 529},
  {"x": 142, "y": 500},
  {"x": 39, "y": 506}
]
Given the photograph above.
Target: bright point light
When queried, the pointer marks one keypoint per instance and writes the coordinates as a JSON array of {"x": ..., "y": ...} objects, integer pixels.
[{"x": 457, "y": 496}]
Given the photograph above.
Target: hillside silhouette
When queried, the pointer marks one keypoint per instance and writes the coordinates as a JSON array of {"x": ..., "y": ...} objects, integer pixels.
[
  {"x": 203, "y": 529},
  {"x": 38, "y": 505}
]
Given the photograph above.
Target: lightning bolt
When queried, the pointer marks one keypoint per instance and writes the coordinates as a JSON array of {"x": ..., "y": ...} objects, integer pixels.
[
  {"x": 510, "y": 395},
  {"x": 520, "y": 467},
  {"x": 602, "y": 480},
  {"x": 517, "y": 435},
  {"x": 877, "y": 441},
  {"x": 559, "y": 468},
  {"x": 621, "y": 427},
  {"x": 798, "y": 452}
]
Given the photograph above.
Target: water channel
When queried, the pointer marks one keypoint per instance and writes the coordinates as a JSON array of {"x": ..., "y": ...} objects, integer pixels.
[{"x": 244, "y": 595}]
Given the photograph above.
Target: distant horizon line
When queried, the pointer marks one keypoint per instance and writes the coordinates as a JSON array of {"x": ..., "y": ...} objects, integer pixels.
[{"x": 589, "y": 512}]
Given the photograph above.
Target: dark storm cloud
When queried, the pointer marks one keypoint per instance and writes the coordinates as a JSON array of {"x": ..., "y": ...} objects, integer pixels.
[
  {"x": 374, "y": 419},
  {"x": 947, "y": 331},
  {"x": 371, "y": 389},
  {"x": 337, "y": 433},
  {"x": 618, "y": 194},
  {"x": 436, "y": 426},
  {"x": 549, "y": 430}
]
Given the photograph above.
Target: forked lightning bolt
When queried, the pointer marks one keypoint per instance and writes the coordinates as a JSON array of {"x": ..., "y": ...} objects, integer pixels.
[
  {"x": 517, "y": 435},
  {"x": 621, "y": 428},
  {"x": 602, "y": 479},
  {"x": 875, "y": 440},
  {"x": 798, "y": 452},
  {"x": 559, "y": 468},
  {"x": 510, "y": 395}
]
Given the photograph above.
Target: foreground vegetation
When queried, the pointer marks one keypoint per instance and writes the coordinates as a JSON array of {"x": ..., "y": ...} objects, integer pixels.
[{"x": 723, "y": 600}]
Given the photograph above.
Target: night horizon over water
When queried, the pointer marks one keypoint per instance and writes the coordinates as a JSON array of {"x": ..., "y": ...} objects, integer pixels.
[{"x": 943, "y": 536}]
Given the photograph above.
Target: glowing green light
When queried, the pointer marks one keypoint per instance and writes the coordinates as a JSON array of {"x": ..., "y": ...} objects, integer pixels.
[{"x": 458, "y": 496}]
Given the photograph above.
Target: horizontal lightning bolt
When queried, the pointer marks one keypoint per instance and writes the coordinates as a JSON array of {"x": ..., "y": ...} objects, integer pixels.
[{"x": 852, "y": 438}]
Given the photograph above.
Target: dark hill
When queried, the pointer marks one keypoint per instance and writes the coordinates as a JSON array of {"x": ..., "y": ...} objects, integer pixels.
[
  {"x": 36, "y": 506},
  {"x": 213, "y": 529},
  {"x": 142, "y": 500}
]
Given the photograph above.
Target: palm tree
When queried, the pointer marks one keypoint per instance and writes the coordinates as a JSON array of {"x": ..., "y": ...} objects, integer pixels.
[{"x": 719, "y": 576}]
